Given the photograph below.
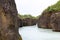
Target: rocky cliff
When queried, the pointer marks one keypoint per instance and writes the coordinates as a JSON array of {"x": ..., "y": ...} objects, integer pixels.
[
  {"x": 8, "y": 20},
  {"x": 55, "y": 21},
  {"x": 26, "y": 20},
  {"x": 20, "y": 22},
  {"x": 29, "y": 22},
  {"x": 50, "y": 17},
  {"x": 44, "y": 20}
]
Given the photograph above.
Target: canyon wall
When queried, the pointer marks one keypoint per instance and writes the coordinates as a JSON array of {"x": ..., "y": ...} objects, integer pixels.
[
  {"x": 8, "y": 20},
  {"x": 50, "y": 18}
]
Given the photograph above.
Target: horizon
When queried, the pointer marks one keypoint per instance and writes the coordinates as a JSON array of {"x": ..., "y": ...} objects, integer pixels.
[{"x": 33, "y": 7}]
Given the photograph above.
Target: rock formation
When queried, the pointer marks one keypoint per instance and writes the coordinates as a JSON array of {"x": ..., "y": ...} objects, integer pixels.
[
  {"x": 34, "y": 21},
  {"x": 50, "y": 17},
  {"x": 29, "y": 22},
  {"x": 55, "y": 21},
  {"x": 26, "y": 20},
  {"x": 8, "y": 20},
  {"x": 50, "y": 20},
  {"x": 44, "y": 20},
  {"x": 20, "y": 22}
]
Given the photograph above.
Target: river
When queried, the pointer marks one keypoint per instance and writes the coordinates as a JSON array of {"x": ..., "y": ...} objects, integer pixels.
[{"x": 35, "y": 33}]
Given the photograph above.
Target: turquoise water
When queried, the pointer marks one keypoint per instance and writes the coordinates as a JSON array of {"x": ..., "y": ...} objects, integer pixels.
[{"x": 35, "y": 33}]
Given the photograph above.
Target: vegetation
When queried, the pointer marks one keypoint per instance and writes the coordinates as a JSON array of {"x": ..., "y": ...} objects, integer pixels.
[
  {"x": 20, "y": 38},
  {"x": 55, "y": 7},
  {"x": 52, "y": 8},
  {"x": 26, "y": 16}
]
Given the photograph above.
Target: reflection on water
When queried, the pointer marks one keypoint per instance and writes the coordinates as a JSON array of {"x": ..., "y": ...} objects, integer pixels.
[{"x": 35, "y": 33}]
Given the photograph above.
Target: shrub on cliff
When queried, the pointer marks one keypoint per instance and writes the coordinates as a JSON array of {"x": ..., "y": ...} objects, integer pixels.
[
  {"x": 50, "y": 17},
  {"x": 44, "y": 19},
  {"x": 26, "y": 16},
  {"x": 27, "y": 20},
  {"x": 55, "y": 7}
]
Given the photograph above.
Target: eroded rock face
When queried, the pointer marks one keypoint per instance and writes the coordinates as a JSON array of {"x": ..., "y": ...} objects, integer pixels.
[
  {"x": 50, "y": 20},
  {"x": 8, "y": 20},
  {"x": 29, "y": 22},
  {"x": 20, "y": 22},
  {"x": 34, "y": 21},
  {"x": 55, "y": 21},
  {"x": 44, "y": 20}
]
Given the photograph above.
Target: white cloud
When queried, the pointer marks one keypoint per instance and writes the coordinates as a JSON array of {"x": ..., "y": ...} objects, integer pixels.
[{"x": 33, "y": 7}]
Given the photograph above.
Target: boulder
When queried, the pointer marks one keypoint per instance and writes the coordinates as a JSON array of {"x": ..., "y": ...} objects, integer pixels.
[{"x": 8, "y": 20}]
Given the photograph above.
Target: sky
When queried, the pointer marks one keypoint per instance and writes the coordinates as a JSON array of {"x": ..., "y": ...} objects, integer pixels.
[{"x": 33, "y": 7}]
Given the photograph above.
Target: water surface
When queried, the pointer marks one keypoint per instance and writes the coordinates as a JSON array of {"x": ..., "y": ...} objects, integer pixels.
[{"x": 35, "y": 33}]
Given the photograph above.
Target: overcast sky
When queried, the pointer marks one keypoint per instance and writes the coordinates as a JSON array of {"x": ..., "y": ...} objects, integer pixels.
[{"x": 33, "y": 7}]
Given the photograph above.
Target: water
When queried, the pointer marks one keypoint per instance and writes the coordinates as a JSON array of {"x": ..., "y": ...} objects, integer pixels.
[{"x": 35, "y": 33}]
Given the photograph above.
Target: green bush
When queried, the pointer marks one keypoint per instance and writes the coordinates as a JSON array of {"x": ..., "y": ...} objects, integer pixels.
[
  {"x": 26, "y": 16},
  {"x": 55, "y": 7}
]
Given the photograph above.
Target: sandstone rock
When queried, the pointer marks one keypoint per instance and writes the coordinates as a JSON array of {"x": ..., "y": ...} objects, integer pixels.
[{"x": 8, "y": 20}]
